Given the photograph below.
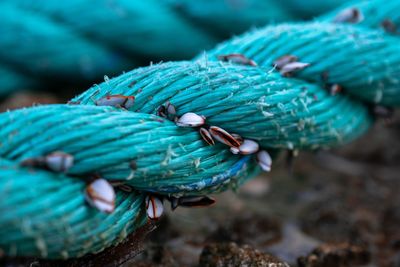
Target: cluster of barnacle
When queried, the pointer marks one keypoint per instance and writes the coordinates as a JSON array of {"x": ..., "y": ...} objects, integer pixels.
[
  {"x": 287, "y": 65},
  {"x": 100, "y": 193},
  {"x": 210, "y": 134}
]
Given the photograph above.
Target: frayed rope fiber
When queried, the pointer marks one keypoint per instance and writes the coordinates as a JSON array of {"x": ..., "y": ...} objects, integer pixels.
[{"x": 44, "y": 213}]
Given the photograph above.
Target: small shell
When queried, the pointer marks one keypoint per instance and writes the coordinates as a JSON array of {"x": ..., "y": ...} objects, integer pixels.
[
  {"x": 191, "y": 201},
  {"x": 335, "y": 89},
  {"x": 223, "y": 136},
  {"x": 238, "y": 138},
  {"x": 248, "y": 147},
  {"x": 116, "y": 101},
  {"x": 235, "y": 150},
  {"x": 205, "y": 134},
  {"x": 190, "y": 120},
  {"x": 350, "y": 15},
  {"x": 161, "y": 111},
  {"x": 121, "y": 185},
  {"x": 167, "y": 111},
  {"x": 289, "y": 68},
  {"x": 237, "y": 59},
  {"x": 170, "y": 109},
  {"x": 264, "y": 160},
  {"x": 59, "y": 161},
  {"x": 389, "y": 26},
  {"x": 101, "y": 195},
  {"x": 284, "y": 60},
  {"x": 154, "y": 207}
]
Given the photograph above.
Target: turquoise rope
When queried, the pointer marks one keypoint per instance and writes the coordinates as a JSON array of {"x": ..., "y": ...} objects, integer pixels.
[
  {"x": 49, "y": 228},
  {"x": 366, "y": 62},
  {"x": 79, "y": 41},
  {"x": 43, "y": 214}
]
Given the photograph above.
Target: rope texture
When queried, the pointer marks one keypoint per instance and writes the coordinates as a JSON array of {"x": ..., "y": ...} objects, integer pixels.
[
  {"x": 44, "y": 213},
  {"x": 45, "y": 42}
]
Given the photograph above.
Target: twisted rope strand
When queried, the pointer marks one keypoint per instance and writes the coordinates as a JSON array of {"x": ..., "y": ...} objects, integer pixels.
[
  {"x": 53, "y": 219},
  {"x": 366, "y": 62}
]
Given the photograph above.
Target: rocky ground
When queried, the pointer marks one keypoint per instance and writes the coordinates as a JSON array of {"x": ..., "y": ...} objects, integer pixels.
[{"x": 331, "y": 208}]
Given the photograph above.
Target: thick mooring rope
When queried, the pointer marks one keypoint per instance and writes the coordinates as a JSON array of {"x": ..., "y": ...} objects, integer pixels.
[
  {"x": 46, "y": 41},
  {"x": 44, "y": 213}
]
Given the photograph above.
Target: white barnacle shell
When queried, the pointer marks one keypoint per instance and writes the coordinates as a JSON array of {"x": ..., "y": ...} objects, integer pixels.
[
  {"x": 167, "y": 111},
  {"x": 223, "y": 136},
  {"x": 59, "y": 161},
  {"x": 284, "y": 60},
  {"x": 129, "y": 102},
  {"x": 101, "y": 195},
  {"x": 237, "y": 59},
  {"x": 248, "y": 147},
  {"x": 205, "y": 134},
  {"x": 238, "y": 138},
  {"x": 116, "y": 101},
  {"x": 350, "y": 15},
  {"x": 264, "y": 160},
  {"x": 171, "y": 110},
  {"x": 190, "y": 119},
  {"x": 154, "y": 207},
  {"x": 292, "y": 67},
  {"x": 234, "y": 150}
]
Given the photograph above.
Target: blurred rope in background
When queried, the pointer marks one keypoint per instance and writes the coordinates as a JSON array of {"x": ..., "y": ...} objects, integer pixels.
[
  {"x": 46, "y": 43},
  {"x": 44, "y": 214}
]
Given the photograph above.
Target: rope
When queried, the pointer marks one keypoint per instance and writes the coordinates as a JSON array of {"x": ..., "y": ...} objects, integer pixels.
[
  {"x": 45, "y": 42},
  {"x": 44, "y": 213}
]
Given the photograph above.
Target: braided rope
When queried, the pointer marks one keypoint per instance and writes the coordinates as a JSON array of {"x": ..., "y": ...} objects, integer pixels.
[
  {"x": 46, "y": 41},
  {"x": 44, "y": 214}
]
